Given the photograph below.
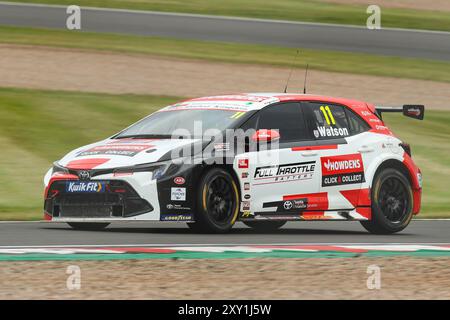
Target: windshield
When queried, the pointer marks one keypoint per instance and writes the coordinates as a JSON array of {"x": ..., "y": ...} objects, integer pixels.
[{"x": 192, "y": 123}]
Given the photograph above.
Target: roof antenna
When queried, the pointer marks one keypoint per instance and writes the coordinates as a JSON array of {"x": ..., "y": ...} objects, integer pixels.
[
  {"x": 306, "y": 75},
  {"x": 290, "y": 73}
]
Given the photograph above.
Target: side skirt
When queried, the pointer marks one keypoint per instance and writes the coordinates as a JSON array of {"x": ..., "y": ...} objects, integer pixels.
[{"x": 358, "y": 214}]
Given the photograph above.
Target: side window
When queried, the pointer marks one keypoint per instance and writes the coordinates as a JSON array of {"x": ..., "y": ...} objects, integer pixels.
[
  {"x": 327, "y": 121},
  {"x": 287, "y": 118},
  {"x": 357, "y": 125}
]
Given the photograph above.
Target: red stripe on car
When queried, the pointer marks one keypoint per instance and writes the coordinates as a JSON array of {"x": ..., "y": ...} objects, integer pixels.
[{"x": 86, "y": 164}]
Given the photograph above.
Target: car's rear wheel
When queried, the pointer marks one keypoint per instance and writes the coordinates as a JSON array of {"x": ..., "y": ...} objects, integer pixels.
[
  {"x": 218, "y": 202},
  {"x": 265, "y": 225},
  {"x": 392, "y": 203},
  {"x": 88, "y": 226}
]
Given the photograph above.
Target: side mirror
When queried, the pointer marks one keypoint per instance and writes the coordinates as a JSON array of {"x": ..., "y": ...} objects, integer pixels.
[{"x": 266, "y": 135}]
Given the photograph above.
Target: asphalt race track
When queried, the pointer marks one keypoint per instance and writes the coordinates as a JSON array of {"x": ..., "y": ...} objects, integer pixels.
[
  {"x": 398, "y": 42},
  {"x": 406, "y": 43},
  {"x": 147, "y": 234}
]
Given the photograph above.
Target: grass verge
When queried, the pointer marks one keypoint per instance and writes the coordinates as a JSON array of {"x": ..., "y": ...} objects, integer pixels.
[
  {"x": 345, "y": 62},
  {"x": 294, "y": 10},
  {"x": 39, "y": 127}
]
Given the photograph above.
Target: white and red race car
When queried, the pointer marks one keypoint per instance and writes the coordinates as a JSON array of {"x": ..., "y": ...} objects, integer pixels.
[{"x": 260, "y": 158}]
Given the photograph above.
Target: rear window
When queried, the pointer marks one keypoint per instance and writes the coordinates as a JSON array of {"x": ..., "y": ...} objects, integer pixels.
[
  {"x": 328, "y": 121},
  {"x": 356, "y": 124}
]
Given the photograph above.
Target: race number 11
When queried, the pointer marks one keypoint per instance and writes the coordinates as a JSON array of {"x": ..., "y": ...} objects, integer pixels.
[{"x": 327, "y": 115}]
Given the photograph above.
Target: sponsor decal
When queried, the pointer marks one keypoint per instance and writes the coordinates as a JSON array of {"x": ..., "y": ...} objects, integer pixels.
[
  {"x": 246, "y": 214},
  {"x": 266, "y": 216},
  {"x": 300, "y": 203},
  {"x": 316, "y": 133},
  {"x": 246, "y": 186},
  {"x": 341, "y": 170},
  {"x": 131, "y": 141},
  {"x": 243, "y": 163},
  {"x": 314, "y": 217},
  {"x": 291, "y": 205},
  {"x": 245, "y": 205},
  {"x": 179, "y": 180},
  {"x": 414, "y": 111},
  {"x": 176, "y": 217},
  {"x": 287, "y": 205},
  {"x": 84, "y": 187},
  {"x": 129, "y": 150},
  {"x": 379, "y": 127},
  {"x": 209, "y": 105},
  {"x": 244, "y": 175},
  {"x": 178, "y": 194},
  {"x": 84, "y": 175},
  {"x": 247, "y": 196},
  {"x": 285, "y": 172},
  {"x": 171, "y": 206},
  {"x": 331, "y": 132},
  {"x": 236, "y": 97}
]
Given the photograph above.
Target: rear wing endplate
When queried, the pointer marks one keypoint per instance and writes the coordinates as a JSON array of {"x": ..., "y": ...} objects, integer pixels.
[{"x": 410, "y": 110}]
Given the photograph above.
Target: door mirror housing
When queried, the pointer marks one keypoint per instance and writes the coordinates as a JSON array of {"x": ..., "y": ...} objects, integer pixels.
[{"x": 266, "y": 135}]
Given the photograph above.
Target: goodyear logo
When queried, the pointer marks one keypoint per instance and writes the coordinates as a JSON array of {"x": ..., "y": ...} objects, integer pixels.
[
  {"x": 79, "y": 186},
  {"x": 176, "y": 217}
]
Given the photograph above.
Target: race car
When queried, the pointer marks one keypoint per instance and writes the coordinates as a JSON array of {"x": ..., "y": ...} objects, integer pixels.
[{"x": 260, "y": 158}]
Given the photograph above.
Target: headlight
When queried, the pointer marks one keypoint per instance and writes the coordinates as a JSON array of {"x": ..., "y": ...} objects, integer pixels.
[
  {"x": 59, "y": 169},
  {"x": 159, "y": 169}
]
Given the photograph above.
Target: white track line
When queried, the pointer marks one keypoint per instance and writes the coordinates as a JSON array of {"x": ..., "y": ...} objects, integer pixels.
[{"x": 222, "y": 244}]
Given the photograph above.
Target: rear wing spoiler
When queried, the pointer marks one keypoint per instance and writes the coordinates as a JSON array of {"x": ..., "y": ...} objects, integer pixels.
[{"x": 410, "y": 110}]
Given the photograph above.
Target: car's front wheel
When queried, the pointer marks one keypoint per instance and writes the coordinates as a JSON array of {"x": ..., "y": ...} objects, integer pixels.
[
  {"x": 218, "y": 202},
  {"x": 392, "y": 203},
  {"x": 88, "y": 226}
]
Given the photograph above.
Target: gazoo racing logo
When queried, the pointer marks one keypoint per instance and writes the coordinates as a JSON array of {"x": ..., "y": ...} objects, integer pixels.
[
  {"x": 76, "y": 186},
  {"x": 284, "y": 172},
  {"x": 345, "y": 169}
]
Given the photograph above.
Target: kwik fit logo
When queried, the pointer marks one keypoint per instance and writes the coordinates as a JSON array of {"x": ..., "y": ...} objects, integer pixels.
[{"x": 84, "y": 187}]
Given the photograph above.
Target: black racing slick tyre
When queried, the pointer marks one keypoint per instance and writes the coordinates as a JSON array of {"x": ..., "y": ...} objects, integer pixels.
[
  {"x": 218, "y": 202},
  {"x": 265, "y": 226},
  {"x": 392, "y": 203},
  {"x": 88, "y": 226}
]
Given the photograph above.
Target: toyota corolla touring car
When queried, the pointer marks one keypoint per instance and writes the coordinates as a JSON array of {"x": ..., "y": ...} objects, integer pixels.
[{"x": 307, "y": 157}]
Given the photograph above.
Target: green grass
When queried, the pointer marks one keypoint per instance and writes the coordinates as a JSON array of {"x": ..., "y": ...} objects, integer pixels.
[
  {"x": 38, "y": 127},
  {"x": 345, "y": 62},
  {"x": 295, "y": 10},
  {"x": 430, "y": 143}
]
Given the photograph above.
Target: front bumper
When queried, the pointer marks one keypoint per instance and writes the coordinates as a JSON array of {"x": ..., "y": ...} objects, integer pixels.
[
  {"x": 117, "y": 200},
  {"x": 133, "y": 197}
]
